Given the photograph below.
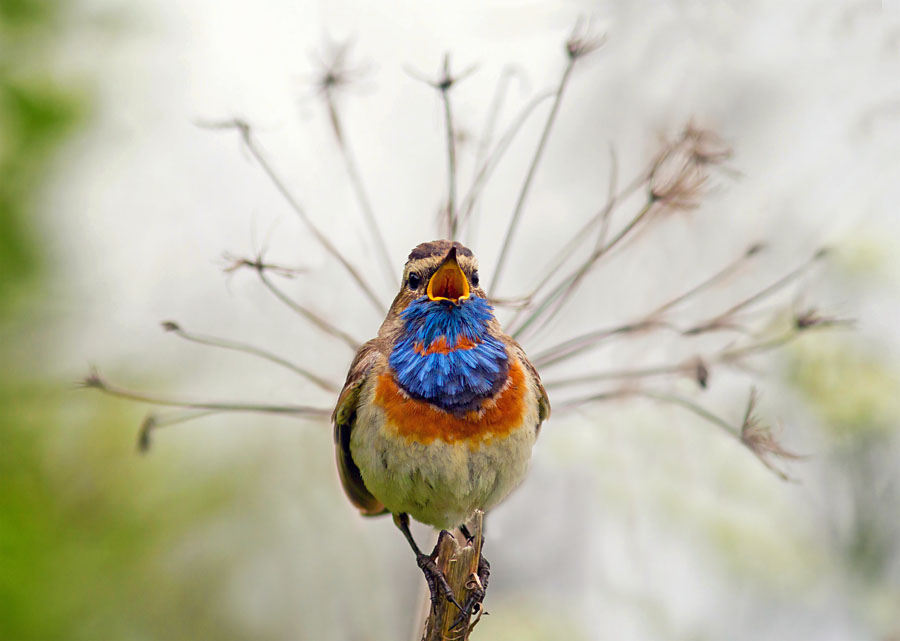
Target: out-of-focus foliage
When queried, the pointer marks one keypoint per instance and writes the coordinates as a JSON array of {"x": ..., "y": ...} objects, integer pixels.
[
  {"x": 80, "y": 550},
  {"x": 857, "y": 396},
  {"x": 853, "y": 392},
  {"x": 87, "y": 538},
  {"x": 36, "y": 114}
]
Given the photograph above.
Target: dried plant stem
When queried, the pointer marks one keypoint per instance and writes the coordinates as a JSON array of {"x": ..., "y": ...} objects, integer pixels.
[
  {"x": 486, "y": 167},
  {"x": 156, "y": 420},
  {"x": 94, "y": 381},
  {"x": 308, "y": 314},
  {"x": 780, "y": 283},
  {"x": 557, "y": 297},
  {"x": 611, "y": 198},
  {"x": 723, "y": 321},
  {"x": 214, "y": 341},
  {"x": 749, "y": 434},
  {"x": 684, "y": 367},
  {"x": 359, "y": 188},
  {"x": 253, "y": 148},
  {"x": 672, "y": 399},
  {"x": 444, "y": 86},
  {"x": 580, "y": 236},
  {"x": 529, "y": 176},
  {"x": 459, "y": 563},
  {"x": 493, "y": 115},
  {"x": 693, "y": 365}
]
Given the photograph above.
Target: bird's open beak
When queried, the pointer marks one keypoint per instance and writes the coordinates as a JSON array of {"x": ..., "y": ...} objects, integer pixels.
[{"x": 449, "y": 282}]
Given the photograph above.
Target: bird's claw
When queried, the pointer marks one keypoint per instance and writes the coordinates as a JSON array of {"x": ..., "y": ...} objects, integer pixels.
[
  {"x": 437, "y": 582},
  {"x": 477, "y": 586}
]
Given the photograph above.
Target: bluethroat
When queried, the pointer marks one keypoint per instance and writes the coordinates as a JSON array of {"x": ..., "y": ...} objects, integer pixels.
[{"x": 440, "y": 411}]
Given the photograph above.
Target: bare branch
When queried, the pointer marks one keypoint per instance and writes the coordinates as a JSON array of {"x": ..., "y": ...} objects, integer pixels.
[
  {"x": 487, "y": 167},
  {"x": 95, "y": 381},
  {"x": 305, "y": 312},
  {"x": 690, "y": 366},
  {"x": 581, "y": 235},
  {"x": 577, "y": 47},
  {"x": 246, "y": 135},
  {"x": 759, "y": 439},
  {"x": 493, "y": 114},
  {"x": 675, "y": 181},
  {"x": 155, "y": 420},
  {"x": 443, "y": 85},
  {"x": 237, "y": 346},
  {"x": 611, "y": 197},
  {"x": 722, "y": 319},
  {"x": 652, "y": 320},
  {"x": 699, "y": 367},
  {"x": 557, "y": 297},
  {"x": 752, "y": 433},
  {"x": 334, "y": 74},
  {"x": 447, "y": 81}
]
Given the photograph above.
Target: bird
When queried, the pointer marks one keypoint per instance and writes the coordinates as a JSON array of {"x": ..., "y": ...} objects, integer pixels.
[{"x": 439, "y": 412}]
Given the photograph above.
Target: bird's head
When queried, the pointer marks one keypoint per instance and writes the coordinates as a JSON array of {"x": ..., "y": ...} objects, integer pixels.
[
  {"x": 447, "y": 347},
  {"x": 444, "y": 272}
]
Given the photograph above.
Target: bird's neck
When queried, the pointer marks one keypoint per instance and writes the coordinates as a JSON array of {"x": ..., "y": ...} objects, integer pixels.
[{"x": 447, "y": 354}]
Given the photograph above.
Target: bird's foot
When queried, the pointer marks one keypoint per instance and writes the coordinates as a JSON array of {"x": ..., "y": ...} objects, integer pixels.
[
  {"x": 477, "y": 586},
  {"x": 434, "y": 577}
]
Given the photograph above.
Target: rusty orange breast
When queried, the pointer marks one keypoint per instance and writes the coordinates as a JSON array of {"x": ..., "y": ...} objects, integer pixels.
[{"x": 421, "y": 421}]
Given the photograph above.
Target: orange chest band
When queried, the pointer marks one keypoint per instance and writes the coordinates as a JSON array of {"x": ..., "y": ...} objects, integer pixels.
[{"x": 420, "y": 421}]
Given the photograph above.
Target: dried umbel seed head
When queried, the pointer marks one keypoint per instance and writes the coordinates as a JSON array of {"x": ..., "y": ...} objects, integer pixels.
[
  {"x": 581, "y": 43},
  {"x": 681, "y": 170},
  {"x": 759, "y": 439},
  {"x": 334, "y": 71}
]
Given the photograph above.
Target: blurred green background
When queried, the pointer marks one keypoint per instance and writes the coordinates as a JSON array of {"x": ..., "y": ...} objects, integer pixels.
[{"x": 252, "y": 539}]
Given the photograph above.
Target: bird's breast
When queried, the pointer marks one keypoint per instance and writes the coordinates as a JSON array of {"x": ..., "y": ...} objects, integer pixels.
[{"x": 420, "y": 421}]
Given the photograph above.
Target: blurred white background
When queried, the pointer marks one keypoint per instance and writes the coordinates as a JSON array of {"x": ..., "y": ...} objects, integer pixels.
[{"x": 637, "y": 521}]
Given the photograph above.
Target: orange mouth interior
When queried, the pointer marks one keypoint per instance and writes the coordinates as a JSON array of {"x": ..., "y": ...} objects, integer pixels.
[{"x": 448, "y": 283}]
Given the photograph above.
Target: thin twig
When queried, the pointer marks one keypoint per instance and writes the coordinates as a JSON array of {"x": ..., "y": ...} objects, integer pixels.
[
  {"x": 314, "y": 318},
  {"x": 751, "y": 435},
  {"x": 699, "y": 366},
  {"x": 611, "y": 198},
  {"x": 578, "y": 46},
  {"x": 309, "y": 315},
  {"x": 486, "y": 168},
  {"x": 94, "y": 381},
  {"x": 237, "y": 346},
  {"x": 356, "y": 181},
  {"x": 155, "y": 420},
  {"x": 780, "y": 283},
  {"x": 581, "y": 235},
  {"x": 246, "y": 135},
  {"x": 619, "y": 374},
  {"x": 446, "y": 83},
  {"x": 557, "y": 297},
  {"x": 571, "y": 347},
  {"x": 493, "y": 115},
  {"x": 529, "y": 176},
  {"x": 443, "y": 85},
  {"x": 335, "y": 74},
  {"x": 676, "y": 181}
]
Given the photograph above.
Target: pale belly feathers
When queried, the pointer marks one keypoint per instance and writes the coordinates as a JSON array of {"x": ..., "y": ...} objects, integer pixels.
[{"x": 437, "y": 482}]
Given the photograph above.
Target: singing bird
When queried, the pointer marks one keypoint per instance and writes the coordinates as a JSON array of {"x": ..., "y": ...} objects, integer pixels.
[{"x": 440, "y": 411}]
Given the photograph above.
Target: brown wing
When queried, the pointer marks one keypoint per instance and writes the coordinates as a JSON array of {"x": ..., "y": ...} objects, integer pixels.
[
  {"x": 344, "y": 416},
  {"x": 544, "y": 400}
]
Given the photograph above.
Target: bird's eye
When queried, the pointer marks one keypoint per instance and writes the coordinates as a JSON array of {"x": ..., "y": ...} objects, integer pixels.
[
  {"x": 414, "y": 280},
  {"x": 474, "y": 278}
]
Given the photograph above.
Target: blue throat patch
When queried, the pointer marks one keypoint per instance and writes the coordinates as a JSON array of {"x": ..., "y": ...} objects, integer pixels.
[{"x": 460, "y": 378}]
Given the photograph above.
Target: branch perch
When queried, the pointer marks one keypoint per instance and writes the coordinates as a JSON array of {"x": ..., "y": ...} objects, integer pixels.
[{"x": 459, "y": 563}]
